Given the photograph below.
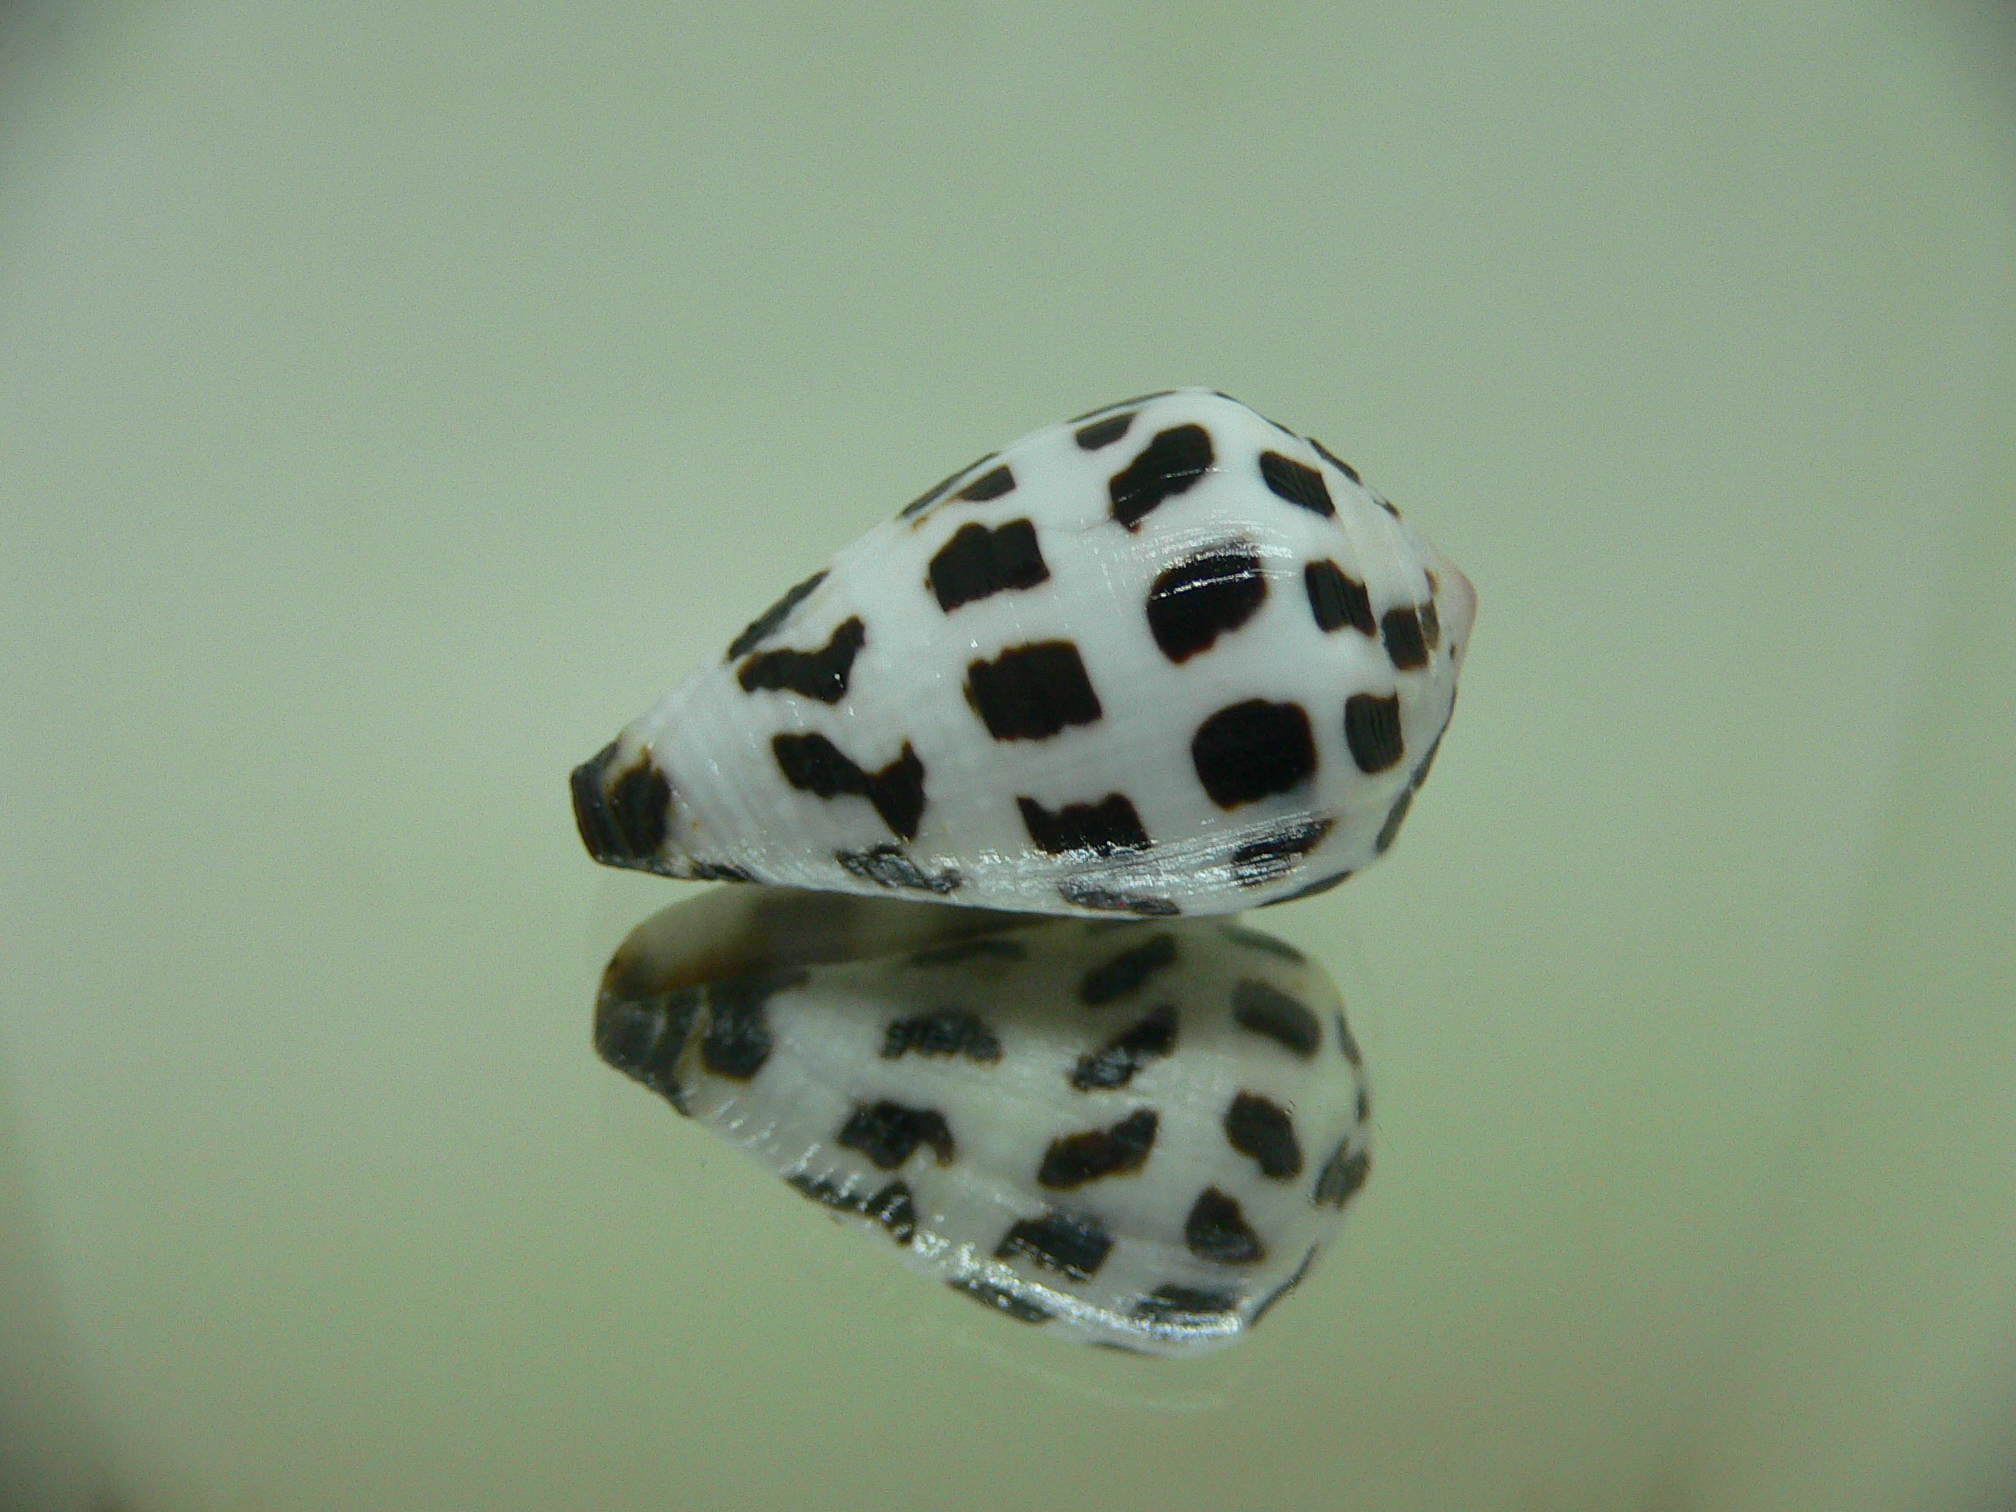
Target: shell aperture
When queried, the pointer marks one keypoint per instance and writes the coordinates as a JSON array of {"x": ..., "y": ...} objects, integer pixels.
[{"x": 1165, "y": 658}]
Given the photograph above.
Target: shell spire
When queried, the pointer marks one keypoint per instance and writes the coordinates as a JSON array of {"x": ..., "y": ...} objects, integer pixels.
[{"x": 1166, "y": 657}]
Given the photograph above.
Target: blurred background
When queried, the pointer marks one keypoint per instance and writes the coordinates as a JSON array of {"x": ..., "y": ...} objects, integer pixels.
[{"x": 396, "y": 399}]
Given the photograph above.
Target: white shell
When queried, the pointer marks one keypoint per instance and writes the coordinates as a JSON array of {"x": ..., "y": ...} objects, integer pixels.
[
  {"x": 1135, "y": 1134},
  {"x": 1164, "y": 658}
]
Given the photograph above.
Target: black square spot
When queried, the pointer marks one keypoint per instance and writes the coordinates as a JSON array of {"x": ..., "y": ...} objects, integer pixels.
[
  {"x": 1168, "y": 465},
  {"x": 1267, "y": 1010},
  {"x": 1204, "y": 596},
  {"x": 1069, "y": 1245},
  {"x": 989, "y": 485},
  {"x": 1337, "y": 599},
  {"x": 1218, "y": 1231},
  {"x": 1406, "y": 639},
  {"x": 1033, "y": 691},
  {"x": 1264, "y": 1131},
  {"x": 889, "y": 1133},
  {"x": 1125, "y": 972},
  {"x": 978, "y": 563},
  {"x": 1094, "y": 1154},
  {"x": 1296, "y": 482},
  {"x": 1252, "y": 750},
  {"x": 1102, "y": 433},
  {"x": 1372, "y": 730},
  {"x": 1101, "y": 828}
]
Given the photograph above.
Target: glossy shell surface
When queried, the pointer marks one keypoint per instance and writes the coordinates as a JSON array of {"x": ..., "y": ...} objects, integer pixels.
[
  {"x": 1133, "y": 1134},
  {"x": 1165, "y": 658}
]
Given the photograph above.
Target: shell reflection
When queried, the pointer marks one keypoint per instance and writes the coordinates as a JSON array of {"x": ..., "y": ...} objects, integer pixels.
[{"x": 1134, "y": 1134}]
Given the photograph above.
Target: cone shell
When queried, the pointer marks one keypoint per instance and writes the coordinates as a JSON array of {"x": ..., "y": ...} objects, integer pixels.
[
  {"x": 1126, "y": 1133},
  {"x": 1167, "y": 657}
]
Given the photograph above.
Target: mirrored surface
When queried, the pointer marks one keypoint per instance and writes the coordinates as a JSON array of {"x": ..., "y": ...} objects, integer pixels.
[{"x": 393, "y": 402}]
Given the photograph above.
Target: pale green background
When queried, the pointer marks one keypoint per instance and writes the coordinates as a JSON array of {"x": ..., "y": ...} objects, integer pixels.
[{"x": 395, "y": 398}]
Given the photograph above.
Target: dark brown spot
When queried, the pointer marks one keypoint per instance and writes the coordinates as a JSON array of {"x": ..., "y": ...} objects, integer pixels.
[
  {"x": 1203, "y": 597},
  {"x": 1269, "y": 1011},
  {"x": 1002, "y": 1300},
  {"x": 1186, "y": 1306},
  {"x": 1264, "y": 1132},
  {"x": 1277, "y": 852},
  {"x": 622, "y": 823},
  {"x": 1068, "y": 1244},
  {"x": 736, "y": 1042},
  {"x": 1372, "y": 730},
  {"x": 1347, "y": 1042},
  {"x": 1217, "y": 1231},
  {"x": 1334, "y": 460},
  {"x": 932, "y": 494},
  {"x": 942, "y": 1034},
  {"x": 1406, "y": 645},
  {"x": 1101, "y": 828},
  {"x": 1397, "y": 815},
  {"x": 824, "y": 1191},
  {"x": 1168, "y": 465},
  {"x": 887, "y": 866},
  {"x": 1337, "y": 599},
  {"x": 1283, "y": 1289},
  {"x": 978, "y": 563},
  {"x": 813, "y": 764},
  {"x": 1275, "y": 423},
  {"x": 990, "y": 485},
  {"x": 896, "y": 1210},
  {"x": 820, "y": 674},
  {"x": 646, "y": 1039},
  {"x": 1252, "y": 750},
  {"x": 715, "y": 871},
  {"x": 1343, "y": 1174},
  {"x": 894, "y": 1207},
  {"x": 1121, "y": 404},
  {"x": 1031, "y": 692},
  {"x": 889, "y": 1133},
  {"x": 1103, "y": 433},
  {"x": 770, "y": 620},
  {"x": 1074, "y": 1159},
  {"x": 1311, "y": 889},
  {"x": 1296, "y": 482},
  {"x": 1086, "y": 893},
  {"x": 1115, "y": 1063},
  {"x": 1125, "y": 972}
]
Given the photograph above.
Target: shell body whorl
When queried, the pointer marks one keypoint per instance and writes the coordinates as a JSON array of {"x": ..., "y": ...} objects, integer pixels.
[{"x": 1164, "y": 658}]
